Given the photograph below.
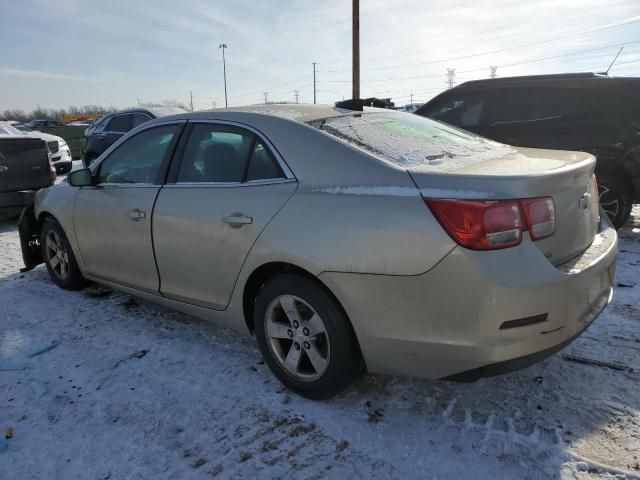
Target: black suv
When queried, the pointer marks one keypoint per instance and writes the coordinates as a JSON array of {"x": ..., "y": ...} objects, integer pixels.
[
  {"x": 104, "y": 131},
  {"x": 582, "y": 111}
]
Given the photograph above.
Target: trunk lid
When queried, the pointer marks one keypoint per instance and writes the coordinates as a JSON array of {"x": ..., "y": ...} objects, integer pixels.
[
  {"x": 24, "y": 164},
  {"x": 518, "y": 173}
]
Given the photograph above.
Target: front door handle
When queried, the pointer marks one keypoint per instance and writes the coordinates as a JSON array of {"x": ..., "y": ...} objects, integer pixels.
[
  {"x": 237, "y": 220},
  {"x": 136, "y": 214}
]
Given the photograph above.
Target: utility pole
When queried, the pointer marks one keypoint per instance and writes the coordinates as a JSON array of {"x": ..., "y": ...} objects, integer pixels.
[
  {"x": 138, "y": 103},
  {"x": 494, "y": 69},
  {"x": 191, "y": 99},
  {"x": 213, "y": 104},
  {"x": 451, "y": 74},
  {"x": 296, "y": 93},
  {"x": 411, "y": 97},
  {"x": 223, "y": 46},
  {"x": 266, "y": 94},
  {"x": 314, "y": 83},
  {"x": 356, "y": 49}
]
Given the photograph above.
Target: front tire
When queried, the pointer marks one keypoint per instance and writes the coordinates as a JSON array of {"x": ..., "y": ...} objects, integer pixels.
[
  {"x": 58, "y": 256},
  {"x": 305, "y": 337}
]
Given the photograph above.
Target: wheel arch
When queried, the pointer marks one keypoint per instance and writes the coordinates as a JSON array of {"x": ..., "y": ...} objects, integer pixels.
[{"x": 265, "y": 272}]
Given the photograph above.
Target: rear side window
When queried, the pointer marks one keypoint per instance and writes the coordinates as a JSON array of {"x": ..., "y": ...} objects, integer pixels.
[
  {"x": 262, "y": 164},
  {"x": 120, "y": 124},
  {"x": 139, "y": 119},
  {"x": 529, "y": 104},
  {"x": 226, "y": 154},
  {"x": 215, "y": 154},
  {"x": 464, "y": 111}
]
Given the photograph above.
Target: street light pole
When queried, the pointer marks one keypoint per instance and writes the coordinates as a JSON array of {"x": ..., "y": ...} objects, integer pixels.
[
  {"x": 355, "y": 32},
  {"x": 223, "y": 46}
]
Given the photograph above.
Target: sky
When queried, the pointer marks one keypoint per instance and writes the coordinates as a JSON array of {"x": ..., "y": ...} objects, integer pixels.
[{"x": 116, "y": 53}]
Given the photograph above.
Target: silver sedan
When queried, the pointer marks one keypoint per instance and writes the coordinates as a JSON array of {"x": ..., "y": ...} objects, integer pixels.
[{"x": 345, "y": 241}]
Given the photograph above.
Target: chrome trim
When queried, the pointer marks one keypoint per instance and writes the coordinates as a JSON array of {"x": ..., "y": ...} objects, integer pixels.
[
  {"x": 274, "y": 181},
  {"x": 122, "y": 185},
  {"x": 283, "y": 164}
]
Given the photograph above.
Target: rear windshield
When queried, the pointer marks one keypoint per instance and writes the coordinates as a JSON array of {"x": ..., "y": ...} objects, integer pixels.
[{"x": 412, "y": 142}]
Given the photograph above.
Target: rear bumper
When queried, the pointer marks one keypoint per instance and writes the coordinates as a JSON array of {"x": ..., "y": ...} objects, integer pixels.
[
  {"x": 17, "y": 199},
  {"x": 514, "y": 364},
  {"x": 447, "y": 321}
]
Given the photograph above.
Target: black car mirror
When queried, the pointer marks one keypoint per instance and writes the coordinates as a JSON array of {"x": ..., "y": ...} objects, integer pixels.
[{"x": 80, "y": 178}]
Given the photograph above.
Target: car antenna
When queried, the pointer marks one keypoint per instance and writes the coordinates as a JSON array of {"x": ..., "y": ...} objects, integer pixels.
[{"x": 614, "y": 60}]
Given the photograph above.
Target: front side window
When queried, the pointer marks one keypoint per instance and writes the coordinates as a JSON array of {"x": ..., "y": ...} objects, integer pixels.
[
  {"x": 120, "y": 123},
  {"x": 137, "y": 159},
  {"x": 225, "y": 154}
]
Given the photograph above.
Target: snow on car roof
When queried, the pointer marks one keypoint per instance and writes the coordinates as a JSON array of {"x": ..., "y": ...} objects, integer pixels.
[{"x": 300, "y": 112}]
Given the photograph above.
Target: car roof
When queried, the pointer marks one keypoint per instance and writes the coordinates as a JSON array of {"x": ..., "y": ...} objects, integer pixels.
[
  {"x": 155, "y": 111},
  {"x": 552, "y": 78},
  {"x": 302, "y": 113}
]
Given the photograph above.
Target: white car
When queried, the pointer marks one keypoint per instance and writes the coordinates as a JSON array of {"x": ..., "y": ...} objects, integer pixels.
[{"x": 58, "y": 148}]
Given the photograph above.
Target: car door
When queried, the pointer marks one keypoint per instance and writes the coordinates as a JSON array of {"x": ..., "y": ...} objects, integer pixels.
[
  {"x": 112, "y": 218},
  {"x": 227, "y": 186}
]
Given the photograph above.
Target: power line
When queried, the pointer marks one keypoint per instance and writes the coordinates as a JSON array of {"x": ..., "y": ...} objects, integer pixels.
[
  {"x": 483, "y": 68},
  {"x": 619, "y": 23}
]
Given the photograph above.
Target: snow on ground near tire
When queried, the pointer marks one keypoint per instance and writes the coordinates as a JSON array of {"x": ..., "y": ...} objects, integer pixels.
[{"x": 110, "y": 388}]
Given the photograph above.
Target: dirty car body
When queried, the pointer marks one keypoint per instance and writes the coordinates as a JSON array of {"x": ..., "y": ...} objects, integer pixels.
[{"x": 448, "y": 255}]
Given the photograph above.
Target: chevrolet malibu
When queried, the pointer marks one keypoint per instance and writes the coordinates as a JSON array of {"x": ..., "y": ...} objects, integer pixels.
[{"x": 344, "y": 240}]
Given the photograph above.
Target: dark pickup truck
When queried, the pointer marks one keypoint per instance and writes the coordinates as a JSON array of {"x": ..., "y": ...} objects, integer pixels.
[{"x": 24, "y": 168}]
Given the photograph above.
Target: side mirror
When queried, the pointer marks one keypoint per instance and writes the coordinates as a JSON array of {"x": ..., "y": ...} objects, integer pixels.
[{"x": 80, "y": 178}]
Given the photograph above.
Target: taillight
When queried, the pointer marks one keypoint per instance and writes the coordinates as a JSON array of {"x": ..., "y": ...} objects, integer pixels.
[
  {"x": 494, "y": 224},
  {"x": 540, "y": 214}
]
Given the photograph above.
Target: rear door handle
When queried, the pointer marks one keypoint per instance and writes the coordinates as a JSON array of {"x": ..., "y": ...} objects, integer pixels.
[
  {"x": 136, "y": 214},
  {"x": 237, "y": 220}
]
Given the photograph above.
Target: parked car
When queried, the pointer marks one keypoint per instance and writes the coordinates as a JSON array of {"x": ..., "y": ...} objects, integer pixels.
[
  {"x": 104, "y": 131},
  {"x": 58, "y": 148},
  {"x": 343, "y": 240},
  {"x": 585, "y": 111},
  {"x": 24, "y": 167},
  {"x": 42, "y": 123}
]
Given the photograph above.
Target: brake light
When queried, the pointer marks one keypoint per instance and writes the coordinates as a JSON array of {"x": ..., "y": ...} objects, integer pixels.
[
  {"x": 494, "y": 224},
  {"x": 541, "y": 217}
]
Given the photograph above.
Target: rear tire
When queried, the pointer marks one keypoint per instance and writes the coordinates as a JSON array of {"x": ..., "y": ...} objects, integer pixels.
[
  {"x": 305, "y": 337},
  {"x": 58, "y": 256},
  {"x": 616, "y": 198}
]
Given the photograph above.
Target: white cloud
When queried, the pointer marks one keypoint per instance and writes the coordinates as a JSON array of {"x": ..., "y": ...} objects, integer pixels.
[{"x": 13, "y": 72}]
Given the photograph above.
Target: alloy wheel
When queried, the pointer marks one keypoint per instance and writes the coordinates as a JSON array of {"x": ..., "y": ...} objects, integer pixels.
[
  {"x": 297, "y": 337},
  {"x": 608, "y": 201},
  {"x": 57, "y": 255}
]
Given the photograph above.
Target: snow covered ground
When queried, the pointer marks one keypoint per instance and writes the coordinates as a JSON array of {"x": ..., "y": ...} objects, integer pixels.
[{"x": 98, "y": 385}]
